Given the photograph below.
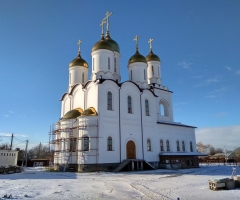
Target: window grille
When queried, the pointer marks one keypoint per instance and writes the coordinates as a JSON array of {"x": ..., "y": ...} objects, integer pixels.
[
  {"x": 109, "y": 100},
  {"x": 129, "y": 104}
]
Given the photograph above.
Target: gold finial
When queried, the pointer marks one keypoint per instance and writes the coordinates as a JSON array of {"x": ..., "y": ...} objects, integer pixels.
[
  {"x": 150, "y": 41},
  {"x": 136, "y": 39},
  {"x": 102, "y": 25},
  {"x": 79, "y": 43},
  {"x": 107, "y": 16}
]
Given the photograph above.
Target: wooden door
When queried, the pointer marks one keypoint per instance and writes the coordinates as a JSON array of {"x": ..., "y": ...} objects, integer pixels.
[{"x": 131, "y": 150}]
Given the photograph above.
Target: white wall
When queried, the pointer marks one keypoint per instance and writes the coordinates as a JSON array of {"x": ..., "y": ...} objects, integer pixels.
[{"x": 8, "y": 157}]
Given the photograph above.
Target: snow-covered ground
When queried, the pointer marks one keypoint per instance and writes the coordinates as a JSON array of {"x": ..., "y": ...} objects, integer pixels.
[{"x": 192, "y": 184}]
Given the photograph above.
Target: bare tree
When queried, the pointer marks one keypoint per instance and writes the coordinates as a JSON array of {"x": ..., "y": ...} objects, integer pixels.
[
  {"x": 39, "y": 151},
  {"x": 5, "y": 146},
  {"x": 208, "y": 149}
]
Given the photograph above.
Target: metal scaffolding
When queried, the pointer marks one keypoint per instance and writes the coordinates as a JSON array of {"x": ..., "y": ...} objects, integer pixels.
[{"x": 67, "y": 140}]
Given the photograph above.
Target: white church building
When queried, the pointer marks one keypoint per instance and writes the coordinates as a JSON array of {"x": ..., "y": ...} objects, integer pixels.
[{"x": 110, "y": 125}]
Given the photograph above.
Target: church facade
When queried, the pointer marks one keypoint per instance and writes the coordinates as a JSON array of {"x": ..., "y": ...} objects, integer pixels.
[{"x": 106, "y": 123}]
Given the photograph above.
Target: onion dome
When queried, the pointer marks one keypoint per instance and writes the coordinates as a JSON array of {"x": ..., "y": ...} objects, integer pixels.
[
  {"x": 78, "y": 62},
  {"x": 112, "y": 42},
  {"x": 152, "y": 57},
  {"x": 90, "y": 112},
  {"x": 72, "y": 114},
  {"x": 137, "y": 57},
  {"x": 102, "y": 44}
]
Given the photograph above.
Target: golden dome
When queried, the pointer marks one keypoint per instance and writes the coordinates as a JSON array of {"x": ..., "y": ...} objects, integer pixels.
[
  {"x": 137, "y": 57},
  {"x": 78, "y": 62},
  {"x": 112, "y": 42},
  {"x": 102, "y": 44},
  {"x": 152, "y": 57},
  {"x": 90, "y": 112},
  {"x": 72, "y": 114}
]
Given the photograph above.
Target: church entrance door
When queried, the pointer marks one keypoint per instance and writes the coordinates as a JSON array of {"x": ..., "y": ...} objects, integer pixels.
[{"x": 131, "y": 150}]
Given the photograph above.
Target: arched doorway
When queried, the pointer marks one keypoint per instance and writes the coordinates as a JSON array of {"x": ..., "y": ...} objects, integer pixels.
[{"x": 131, "y": 150}]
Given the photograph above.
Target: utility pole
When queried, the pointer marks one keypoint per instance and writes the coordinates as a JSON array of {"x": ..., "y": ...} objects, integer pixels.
[
  {"x": 26, "y": 153},
  {"x": 11, "y": 142}
]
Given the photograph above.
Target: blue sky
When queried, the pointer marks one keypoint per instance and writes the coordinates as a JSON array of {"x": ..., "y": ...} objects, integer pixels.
[{"x": 198, "y": 43}]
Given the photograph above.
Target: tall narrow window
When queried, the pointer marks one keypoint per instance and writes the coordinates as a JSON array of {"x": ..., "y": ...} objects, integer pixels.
[
  {"x": 168, "y": 145},
  {"x": 108, "y": 63},
  {"x": 161, "y": 145},
  {"x": 191, "y": 147},
  {"x": 109, "y": 144},
  {"x": 178, "y": 146},
  {"x": 146, "y": 107},
  {"x": 109, "y": 100},
  {"x": 183, "y": 146},
  {"x": 86, "y": 144},
  {"x": 82, "y": 77},
  {"x": 115, "y": 64},
  {"x": 152, "y": 71},
  {"x": 158, "y": 72},
  {"x": 93, "y": 64},
  {"x": 73, "y": 144},
  {"x": 70, "y": 77},
  {"x": 144, "y": 74},
  {"x": 131, "y": 75},
  {"x": 148, "y": 144},
  {"x": 129, "y": 104}
]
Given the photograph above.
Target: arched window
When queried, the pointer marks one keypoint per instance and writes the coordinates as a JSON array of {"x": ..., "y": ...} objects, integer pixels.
[
  {"x": 168, "y": 145},
  {"x": 178, "y": 146},
  {"x": 109, "y": 144},
  {"x": 161, "y": 145},
  {"x": 152, "y": 71},
  {"x": 183, "y": 146},
  {"x": 82, "y": 77},
  {"x": 146, "y": 107},
  {"x": 158, "y": 72},
  {"x": 115, "y": 64},
  {"x": 93, "y": 64},
  {"x": 70, "y": 77},
  {"x": 148, "y": 144},
  {"x": 144, "y": 74},
  {"x": 191, "y": 147},
  {"x": 86, "y": 143},
  {"x": 109, "y": 100},
  {"x": 129, "y": 104},
  {"x": 108, "y": 63},
  {"x": 163, "y": 105},
  {"x": 131, "y": 75}
]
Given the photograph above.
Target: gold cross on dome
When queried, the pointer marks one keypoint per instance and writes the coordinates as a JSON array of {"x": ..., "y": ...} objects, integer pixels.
[
  {"x": 136, "y": 39},
  {"x": 107, "y": 16},
  {"x": 102, "y": 25},
  {"x": 79, "y": 43},
  {"x": 150, "y": 41}
]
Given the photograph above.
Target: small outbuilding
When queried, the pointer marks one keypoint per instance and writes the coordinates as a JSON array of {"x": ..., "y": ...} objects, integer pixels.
[{"x": 8, "y": 157}]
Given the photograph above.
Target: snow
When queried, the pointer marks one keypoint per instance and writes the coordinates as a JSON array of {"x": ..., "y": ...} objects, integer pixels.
[{"x": 35, "y": 183}]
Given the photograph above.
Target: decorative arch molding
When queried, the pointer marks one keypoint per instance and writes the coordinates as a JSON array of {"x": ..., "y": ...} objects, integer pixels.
[
  {"x": 63, "y": 96},
  {"x": 73, "y": 88},
  {"x": 164, "y": 100},
  {"x": 125, "y": 82}
]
